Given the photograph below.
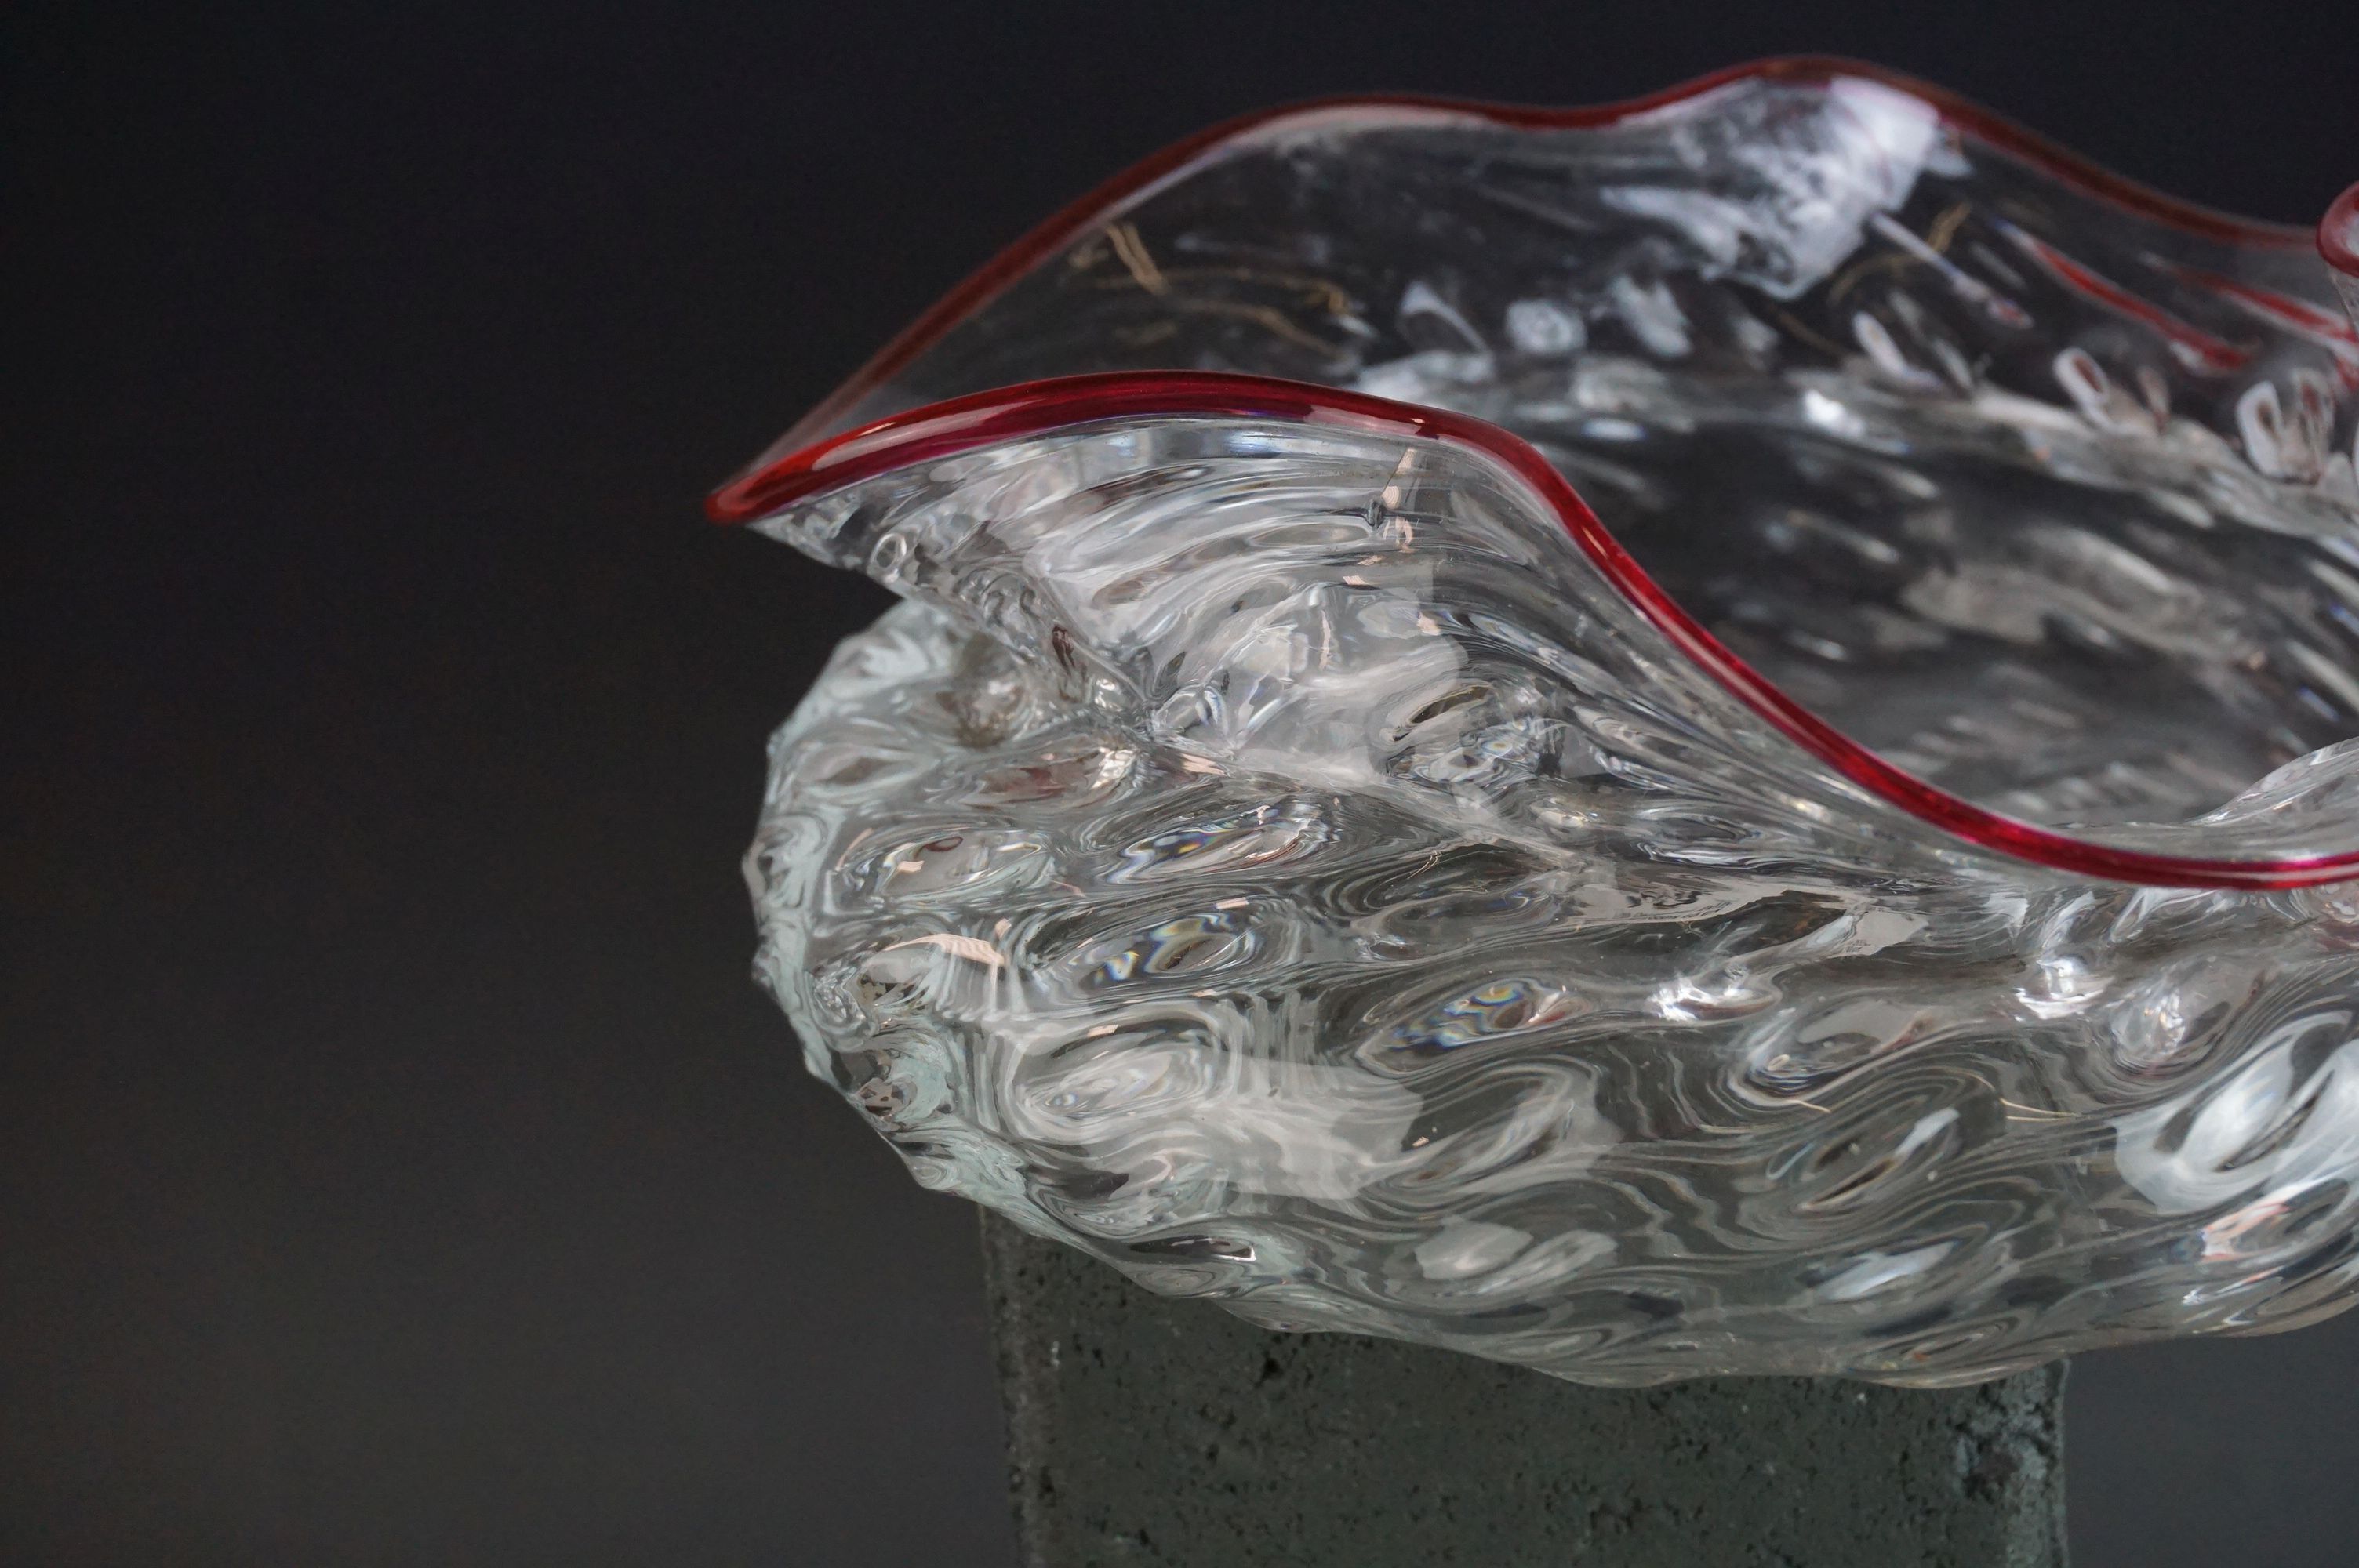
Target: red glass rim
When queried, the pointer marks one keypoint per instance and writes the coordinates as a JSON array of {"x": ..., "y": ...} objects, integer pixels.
[
  {"x": 811, "y": 464},
  {"x": 1987, "y": 126},
  {"x": 2338, "y": 234},
  {"x": 961, "y": 425}
]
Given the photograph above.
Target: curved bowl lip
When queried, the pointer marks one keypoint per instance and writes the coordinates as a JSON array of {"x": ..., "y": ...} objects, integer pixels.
[
  {"x": 810, "y": 464},
  {"x": 945, "y": 430},
  {"x": 2338, "y": 234},
  {"x": 1986, "y": 126}
]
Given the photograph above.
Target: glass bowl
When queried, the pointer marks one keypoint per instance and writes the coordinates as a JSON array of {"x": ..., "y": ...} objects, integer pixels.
[{"x": 1710, "y": 735}]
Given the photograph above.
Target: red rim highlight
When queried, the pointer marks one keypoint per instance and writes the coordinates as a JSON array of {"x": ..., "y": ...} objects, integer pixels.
[
  {"x": 1986, "y": 126},
  {"x": 964, "y": 424},
  {"x": 1031, "y": 408},
  {"x": 2338, "y": 234}
]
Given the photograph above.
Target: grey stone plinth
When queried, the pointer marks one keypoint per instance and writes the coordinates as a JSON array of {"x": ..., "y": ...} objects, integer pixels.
[{"x": 1144, "y": 1431}]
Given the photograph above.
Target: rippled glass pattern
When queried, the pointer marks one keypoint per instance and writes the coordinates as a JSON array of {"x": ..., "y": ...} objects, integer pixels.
[{"x": 1279, "y": 851}]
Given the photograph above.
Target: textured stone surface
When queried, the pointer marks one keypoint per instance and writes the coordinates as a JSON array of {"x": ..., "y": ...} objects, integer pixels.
[{"x": 1149, "y": 1431}]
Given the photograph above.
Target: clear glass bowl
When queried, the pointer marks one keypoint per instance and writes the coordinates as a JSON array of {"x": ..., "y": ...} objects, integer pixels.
[{"x": 1711, "y": 735}]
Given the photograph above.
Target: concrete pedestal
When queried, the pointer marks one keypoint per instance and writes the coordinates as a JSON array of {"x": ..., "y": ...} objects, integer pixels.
[{"x": 1146, "y": 1431}]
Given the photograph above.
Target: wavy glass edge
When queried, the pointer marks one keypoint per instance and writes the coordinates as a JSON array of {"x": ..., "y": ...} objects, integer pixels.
[
  {"x": 813, "y": 458},
  {"x": 1984, "y": 124},
  {"x": 963, "y": 425}
]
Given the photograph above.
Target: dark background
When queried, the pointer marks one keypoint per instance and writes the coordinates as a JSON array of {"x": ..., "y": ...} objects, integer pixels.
[{"x": 396, "y": 1162}]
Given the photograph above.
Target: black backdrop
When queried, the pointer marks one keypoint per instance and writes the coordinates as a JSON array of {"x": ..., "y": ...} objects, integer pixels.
[{"x": 395, "y": 1164}]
